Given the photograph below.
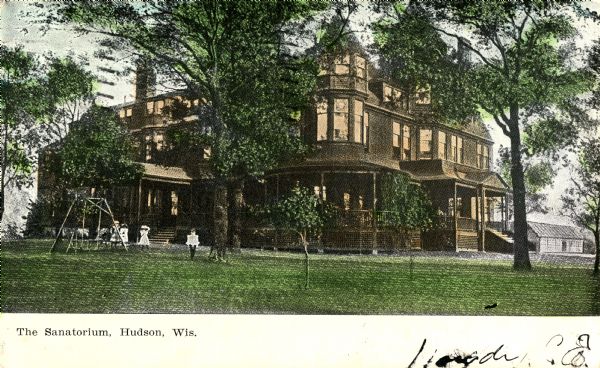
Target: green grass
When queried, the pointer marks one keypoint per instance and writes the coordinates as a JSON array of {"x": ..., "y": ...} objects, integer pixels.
[{"x": 266, "y": 282}]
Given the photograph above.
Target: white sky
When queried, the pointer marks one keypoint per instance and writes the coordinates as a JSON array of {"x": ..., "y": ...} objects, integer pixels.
[{"x": 15, "y": 29}]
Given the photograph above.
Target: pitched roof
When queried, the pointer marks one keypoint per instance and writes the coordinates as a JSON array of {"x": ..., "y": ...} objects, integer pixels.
[{"x": 555, "y": 231}]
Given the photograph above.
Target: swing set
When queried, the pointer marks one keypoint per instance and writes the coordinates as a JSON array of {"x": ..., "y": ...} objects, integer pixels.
[{"x": 101, "y": 205}]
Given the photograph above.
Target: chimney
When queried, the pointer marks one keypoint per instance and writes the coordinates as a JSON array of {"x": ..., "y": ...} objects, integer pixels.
[{"x": 145, "y": 80}]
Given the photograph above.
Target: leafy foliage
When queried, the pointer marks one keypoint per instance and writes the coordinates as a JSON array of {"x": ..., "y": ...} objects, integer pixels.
[
  {"x": 38, "y": 97},
  {"x": 98, "y": 152},
  {"x": 582, "y": 200},
  {"x": 520, "y": 62},
  {"x": 407, "y": 206}
]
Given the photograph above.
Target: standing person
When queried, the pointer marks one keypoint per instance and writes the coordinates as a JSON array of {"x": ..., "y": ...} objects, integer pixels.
[
  {"x": 192, "y": 242},
  {"x": 124, "y": 232},
  {"x": 114, "y": 234},
  {"x": 144, "y": 241}
]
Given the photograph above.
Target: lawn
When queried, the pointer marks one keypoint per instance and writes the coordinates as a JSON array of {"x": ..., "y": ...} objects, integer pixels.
[{"x": 163, "y": 281}]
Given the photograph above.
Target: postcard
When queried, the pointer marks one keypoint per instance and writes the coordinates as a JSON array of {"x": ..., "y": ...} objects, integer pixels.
[{"x": 300, "y": 183}]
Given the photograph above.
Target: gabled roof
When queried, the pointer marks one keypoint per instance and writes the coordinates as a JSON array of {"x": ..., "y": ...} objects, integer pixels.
[{"x": 554, "y": 231}]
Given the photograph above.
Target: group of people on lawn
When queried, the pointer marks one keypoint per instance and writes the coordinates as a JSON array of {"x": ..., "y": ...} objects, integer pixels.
[{"x": 121, "y": 233}]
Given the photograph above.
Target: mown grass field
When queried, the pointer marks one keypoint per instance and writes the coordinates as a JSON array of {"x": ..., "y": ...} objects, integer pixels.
[{"x": 162, "y": 281}]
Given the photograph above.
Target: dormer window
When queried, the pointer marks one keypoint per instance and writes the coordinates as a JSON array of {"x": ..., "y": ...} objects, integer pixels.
[
  {"x": 391, "y": 94},
  {"x": 361, "y": 67},
  {"x": 423, "y": 96},
  {"x": 342, "y": 65}
]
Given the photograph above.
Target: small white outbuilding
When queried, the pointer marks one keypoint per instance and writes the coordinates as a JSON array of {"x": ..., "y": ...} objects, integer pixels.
[{"x": 550, "y": 238}]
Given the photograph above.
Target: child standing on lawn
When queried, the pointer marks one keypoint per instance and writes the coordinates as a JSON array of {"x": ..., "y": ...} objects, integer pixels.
[{"x": 192, "y": 242}]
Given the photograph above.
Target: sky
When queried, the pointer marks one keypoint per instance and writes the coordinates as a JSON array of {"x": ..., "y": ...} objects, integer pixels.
[{"x": 15, "y": 28}]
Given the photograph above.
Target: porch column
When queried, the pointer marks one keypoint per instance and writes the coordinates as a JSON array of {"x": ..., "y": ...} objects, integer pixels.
[
  {"x": 506, "y": 217},
  {"x": 502, "y": 217},
  {"x": 374, "y": 177},
  {"x": 482, "y": 207},
  {"x": 478, "y": 221},
  {"x": 455, "y": 215},
  {"x": 322, "y": 183},
  {"x": 139, "y": 210}
]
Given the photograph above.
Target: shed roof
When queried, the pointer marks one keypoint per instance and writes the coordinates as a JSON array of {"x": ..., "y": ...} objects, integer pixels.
[{"x": 554, "y": 231}]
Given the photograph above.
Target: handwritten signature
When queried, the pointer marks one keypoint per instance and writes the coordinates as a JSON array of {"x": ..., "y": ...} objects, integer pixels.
[{"x": 573, "y": 355}]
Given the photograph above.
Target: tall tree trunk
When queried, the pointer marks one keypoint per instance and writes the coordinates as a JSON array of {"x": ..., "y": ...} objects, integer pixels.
[
  {"x": 597, "y": 261},
  {"x": 235, "y": 218},
  {"x": 220, "y": 220},
  {"x": 521, "y": 249},
  {"x": 306, "y": 261}
]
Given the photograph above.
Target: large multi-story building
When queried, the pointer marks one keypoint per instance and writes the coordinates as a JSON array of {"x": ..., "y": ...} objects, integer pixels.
[{"x": 361, "y": 127}]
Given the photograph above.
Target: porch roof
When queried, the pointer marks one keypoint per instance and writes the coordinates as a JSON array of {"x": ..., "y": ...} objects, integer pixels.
[
  {"x": 434, "y": 170},
  {"x": 171, "y": 173},
  {"x": 341, "y": 164}
]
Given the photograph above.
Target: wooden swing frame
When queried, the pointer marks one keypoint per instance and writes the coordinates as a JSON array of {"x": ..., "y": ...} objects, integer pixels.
[{"x": 102, "y": 205}]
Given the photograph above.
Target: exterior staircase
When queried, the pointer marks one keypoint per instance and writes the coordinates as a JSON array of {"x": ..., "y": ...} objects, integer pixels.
[
  {"x": 497, "y": 241},
  {"x": 162, "y": 236}
]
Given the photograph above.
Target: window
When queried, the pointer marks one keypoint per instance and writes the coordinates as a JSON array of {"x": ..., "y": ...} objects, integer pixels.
[
  {"x": 391, "y": 94},
  {"x": 396, "y": 138},
  {"x": 317, "y": 191},
  {"x": 206, "y": 153},
  {"x": 366, "y": 130},
  {"x": 159, "y": 142},
  {"x": 460, "y": 151},
  {"x": 564, "y": 246},
  {"x": 425, "y": 143},
  {"x": 149, "y": 198},
  {"x": 483, "y": 156},
  {"x": 453, "y": 148},
  {"x": 148, "y": 146},
  {"x": 406, "y": 142},
  {"x": 442, "y": 146},
  {"x": 361, "y": 67},
  {"x": 340, "y": 120},
  {"x": 122, "y": 113},
  {"x": 358, "y": 120},
  {"x": 486, "y": 157},
  {"x": 128, "y": 112},
  {"x": 322, "y": 121},
  {"x": 423, "y": 96},
  {"x": 150, "y": 107},
  {"x": 159, "y": 106},
  {"x": 342, "y": 65}
]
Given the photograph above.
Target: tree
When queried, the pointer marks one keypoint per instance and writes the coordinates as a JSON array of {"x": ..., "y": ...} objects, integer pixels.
[
  {"x": 582, "y": 200},
  {"x": 97, "y": 152},
  {"x": 35, "y": 97},
  {"x": 302, "y": 212},
  {"x": 236, "y": 56},
  {"x": 516, "y": 64},
  {"x": 539, "y": 174},
  {"x": 406, "y": 206}
]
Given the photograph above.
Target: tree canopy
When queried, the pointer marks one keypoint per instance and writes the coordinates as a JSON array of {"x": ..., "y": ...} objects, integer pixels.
[
  {"x": 38, "y": 97},
  {"x": 239, "y": 57},
  {"x": 514, "y": 61},
  {"x": 98, "y": 152}
]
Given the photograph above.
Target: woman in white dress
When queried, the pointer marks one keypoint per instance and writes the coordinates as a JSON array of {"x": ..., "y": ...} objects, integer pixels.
[{"x": 144, "y": 241}]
